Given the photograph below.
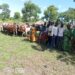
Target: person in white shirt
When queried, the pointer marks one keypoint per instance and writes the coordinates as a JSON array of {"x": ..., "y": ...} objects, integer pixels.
[
  {"x": 54, "y": 35},
  {"x": 50, "y": 30},
  {"x": 60, "y": 36},
  {"x": 50, "y": 33}
]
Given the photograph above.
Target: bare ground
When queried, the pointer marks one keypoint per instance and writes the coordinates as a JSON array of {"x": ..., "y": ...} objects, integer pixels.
[{"x": 37, "y": 65}]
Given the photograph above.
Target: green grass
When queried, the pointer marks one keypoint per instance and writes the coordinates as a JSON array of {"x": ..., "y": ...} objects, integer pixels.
[
  {"x": 15, "y": 52},
  {"x": 12, "y": 46}
]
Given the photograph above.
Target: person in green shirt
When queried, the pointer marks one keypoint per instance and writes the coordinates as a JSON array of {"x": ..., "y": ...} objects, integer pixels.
[
  {"x": 73, "y": 38},
  {"x": 67, "y": 38}
]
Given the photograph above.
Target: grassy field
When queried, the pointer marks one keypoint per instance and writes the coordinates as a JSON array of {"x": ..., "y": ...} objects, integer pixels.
[{"x": 21, "y": 57}]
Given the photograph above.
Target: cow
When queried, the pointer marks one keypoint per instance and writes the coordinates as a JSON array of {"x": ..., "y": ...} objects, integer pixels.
[
  {"x": 24, "y": 29},
  {"x": 10, "y": 28}
]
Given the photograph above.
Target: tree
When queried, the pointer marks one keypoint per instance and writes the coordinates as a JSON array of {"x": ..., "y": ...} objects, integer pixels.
[
  {"x": 16, "y": 15},
  {"x": 51, "y": 13},
  {"x": 5, "y": 11},
  {"x": 68, "y": 15},
  {"x": 30, "y": 11}
]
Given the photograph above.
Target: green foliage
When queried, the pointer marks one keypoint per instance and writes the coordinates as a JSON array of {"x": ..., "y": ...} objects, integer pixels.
[
  {"x": 30, "y": 11},
  {"x": 16, "y": 15},
  {"x": 5, "y": 11},
  {"x": 68, "y": 15},
  {"x": 51, "y": 13}
]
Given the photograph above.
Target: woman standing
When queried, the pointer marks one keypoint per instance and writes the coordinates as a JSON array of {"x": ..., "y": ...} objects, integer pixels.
[
  {"x": 73, "y": 38},
  {"x": 67, "y": 38},
  {"x": 33, "y": 34}
]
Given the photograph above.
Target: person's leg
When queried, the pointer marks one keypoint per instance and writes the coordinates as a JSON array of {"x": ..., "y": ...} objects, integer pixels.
[
  {"x": 53, "y": 42},
  {"x": 49, "y": 40},
  {"x": 60, "y": 43},
  {"x": 74, "y": 44},
  {"x": 56, "y": 43},
  {"x": 51, "y": 45}
]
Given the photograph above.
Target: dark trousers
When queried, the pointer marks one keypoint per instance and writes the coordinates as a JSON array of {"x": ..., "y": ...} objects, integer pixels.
[
  {"x": 49, "y": 40},
  {"x": 54, "y": 42},
  {"x": 60, "y": 43},
  {"x": 73, "y": 44}
]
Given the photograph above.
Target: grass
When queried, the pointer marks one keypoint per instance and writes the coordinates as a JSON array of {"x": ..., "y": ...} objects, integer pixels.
[
  {"x": 15, "y": 46},
  {"x": 15, "y": 52}
]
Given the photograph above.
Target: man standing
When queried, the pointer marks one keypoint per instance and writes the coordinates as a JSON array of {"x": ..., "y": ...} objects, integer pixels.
[{"x": 60, "y": 36}]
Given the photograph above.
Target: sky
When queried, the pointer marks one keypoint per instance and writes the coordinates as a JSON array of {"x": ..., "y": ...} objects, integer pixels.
[{"x": 17, "y": 5}]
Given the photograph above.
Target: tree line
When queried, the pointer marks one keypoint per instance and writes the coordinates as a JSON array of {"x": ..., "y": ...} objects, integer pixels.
[{"x": 31, "y": 12}]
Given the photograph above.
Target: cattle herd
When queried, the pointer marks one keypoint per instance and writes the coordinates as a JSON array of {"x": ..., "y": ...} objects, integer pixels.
[
  {"x": 14, "y": 28},
  {"x": 25, "y": 29}
]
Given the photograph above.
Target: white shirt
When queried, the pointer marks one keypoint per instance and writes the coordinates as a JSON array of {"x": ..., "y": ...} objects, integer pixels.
[
  {"x": 60, "y": 31},
  {"x": 55, "y": 31},
  {"x": 51, "y": 30}
]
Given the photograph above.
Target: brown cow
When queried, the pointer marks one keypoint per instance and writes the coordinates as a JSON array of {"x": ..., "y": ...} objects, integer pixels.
[
  {"x": 21, "y": 28},
  {"x": 10, "y": 28}
]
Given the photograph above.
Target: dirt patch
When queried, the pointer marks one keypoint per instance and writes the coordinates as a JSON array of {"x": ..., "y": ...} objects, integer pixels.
[{"x": 37, "y": 65}]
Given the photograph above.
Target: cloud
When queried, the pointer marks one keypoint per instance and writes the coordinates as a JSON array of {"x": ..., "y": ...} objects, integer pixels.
[
  {"x": 15, "y": 10},
  {"x": 61, "y": 8}
]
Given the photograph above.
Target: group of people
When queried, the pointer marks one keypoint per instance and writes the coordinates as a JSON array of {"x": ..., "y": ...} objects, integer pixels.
[
  {"x": 55, "y": 35},
  {"x": 58, "y": 36}
]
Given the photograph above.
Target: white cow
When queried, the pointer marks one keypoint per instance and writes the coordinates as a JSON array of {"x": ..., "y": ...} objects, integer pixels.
[{"x": 27, "y": 30}]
